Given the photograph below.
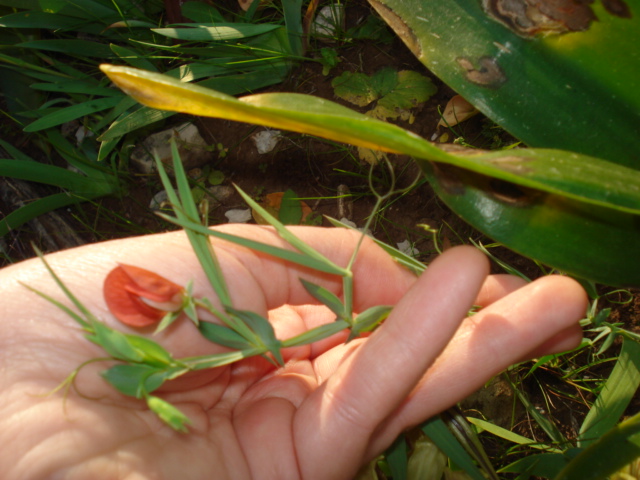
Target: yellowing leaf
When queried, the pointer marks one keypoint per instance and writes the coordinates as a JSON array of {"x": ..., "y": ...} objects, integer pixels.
[{"x": 355, "y": 88}]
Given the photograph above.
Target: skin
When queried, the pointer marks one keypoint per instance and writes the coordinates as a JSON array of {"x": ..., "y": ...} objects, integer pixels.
[{"x": 329, "y": 410}]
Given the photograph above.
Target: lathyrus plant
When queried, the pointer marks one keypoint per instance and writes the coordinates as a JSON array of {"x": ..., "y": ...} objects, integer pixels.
[{"x": 141, "y": 298}]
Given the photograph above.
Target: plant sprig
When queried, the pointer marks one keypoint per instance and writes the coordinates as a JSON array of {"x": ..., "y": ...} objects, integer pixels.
[{"x": 142, "y": 365}]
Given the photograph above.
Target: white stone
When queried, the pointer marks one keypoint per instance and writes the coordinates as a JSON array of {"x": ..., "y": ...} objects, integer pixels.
[
  {"x": 238, "y": 215},
  {"x": 266, "y": 140}
]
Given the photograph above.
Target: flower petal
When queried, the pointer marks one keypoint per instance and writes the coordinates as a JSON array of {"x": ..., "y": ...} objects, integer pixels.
[
  {"x": 150, "y": 285},
  {"x": 126, "y": 305}
]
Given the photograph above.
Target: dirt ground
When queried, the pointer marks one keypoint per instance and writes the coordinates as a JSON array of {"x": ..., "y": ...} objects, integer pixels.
[{"x": 316, "y": 169}]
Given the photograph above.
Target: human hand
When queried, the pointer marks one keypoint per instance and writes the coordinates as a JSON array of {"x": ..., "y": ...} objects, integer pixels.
[{"x": 329, "y": 410}]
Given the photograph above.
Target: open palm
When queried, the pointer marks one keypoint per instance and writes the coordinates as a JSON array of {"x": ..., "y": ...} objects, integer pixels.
[{"x": 332, "y": 406}]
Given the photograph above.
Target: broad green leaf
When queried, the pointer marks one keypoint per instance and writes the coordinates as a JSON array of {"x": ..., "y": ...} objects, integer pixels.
[
  {"x": 571, "y": 175},
  {"x": 543, "y": 465},
  {"x": 218, "y": 32},
  {"x": 588, "y": 241},
  {"x": 615, "y": 396},
  {"x": 294, "y": 30},
  {"x": 201, "y": 12},
  {"x": 396, "y": 456},
  {"x": 611, "y": 452},
  {"x": 559, "y": 193},
  {"x": 356, "y": 88},
  {"x": 572, "y": 90}
]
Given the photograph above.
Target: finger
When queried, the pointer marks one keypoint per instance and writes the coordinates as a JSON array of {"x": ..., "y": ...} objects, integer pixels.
[
  {"x": 546, "y": 310},
  {"x": 497, "y": 286},
  {"x": 377, "y": 377}
]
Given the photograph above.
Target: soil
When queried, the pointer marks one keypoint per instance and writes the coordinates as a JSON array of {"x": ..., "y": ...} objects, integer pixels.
[{"x": 315, "y": 169}]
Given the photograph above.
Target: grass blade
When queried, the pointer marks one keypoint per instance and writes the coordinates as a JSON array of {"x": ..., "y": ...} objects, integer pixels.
[{"x": 614, "y": 398}]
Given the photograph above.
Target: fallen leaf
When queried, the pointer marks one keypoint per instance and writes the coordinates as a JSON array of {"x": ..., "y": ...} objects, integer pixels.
[
  {"x": 285, "y": 207},
  {"x": 457, "y": 110}
]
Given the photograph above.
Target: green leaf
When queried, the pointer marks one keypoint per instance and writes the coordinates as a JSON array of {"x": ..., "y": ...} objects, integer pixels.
[
  {"x": 132, "y": 57},
  {"x": 396, "y": 456},
  {"x": 73, "y": 112},
  {"x": 218, "y": 32},
  {"x": 369, "y": 319},
  {"x": 34, "y": 19},
  {"x": 113, "y": 342},
  {"x": 76, "y": 48},
  {"x": 263, "y": 330},
  {"x": 571, "y": 175},
  {"x": 222, "y": 335},
  {"x": 201, "y": 12},
  {"x": 169, "y": 414},
  {"x": 509, "y": 435},
  {"x": 134, "y": 380},
  {"x": 290, "y": 212},
  {"x": 325, "y": 297},
  {"x": 576, "y": 90},
  {"x": 52, "y": 175},
  {"x": 355, "y": 88},
  {"x": 394, "y": 91},
  {"x": 31, "y": 210},
  {"x": 611, "y": 452},
  {"x": 438, "y": 432},
  {"x": 149, "y": 351},
  {"x": 615, "y": 396},
  {"x": 558, "y": 212},
  {"x": 588, "y": 241},
  {"x": 543, "y": 465}
]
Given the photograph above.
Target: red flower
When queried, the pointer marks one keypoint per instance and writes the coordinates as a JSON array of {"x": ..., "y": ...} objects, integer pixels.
[{"x": 127, "y": 287}]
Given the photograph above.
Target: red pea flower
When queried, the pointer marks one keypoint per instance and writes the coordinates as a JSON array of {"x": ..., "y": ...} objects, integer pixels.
[{"x": 128, "y": 290}]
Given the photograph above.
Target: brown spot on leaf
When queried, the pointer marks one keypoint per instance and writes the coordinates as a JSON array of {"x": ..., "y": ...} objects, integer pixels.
[
  {"x": 529, "y": 18},
  {"x": 486, "y": 72},
  {"x": 617, "y": 8},
  {"x": 512, "y": 194}
]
